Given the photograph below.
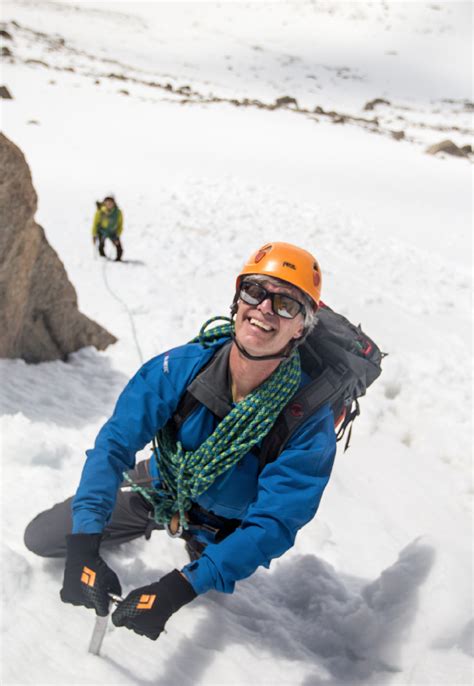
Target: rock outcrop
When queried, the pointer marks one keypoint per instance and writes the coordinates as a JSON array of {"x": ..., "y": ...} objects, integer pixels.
[
  {"x": 448, "y": 147},
  {"x": 369, "y": 106},
  {"x": 5, "y": 93},
  {"x": 286, "y": 100},
  {"x": 39, "y": 317}
]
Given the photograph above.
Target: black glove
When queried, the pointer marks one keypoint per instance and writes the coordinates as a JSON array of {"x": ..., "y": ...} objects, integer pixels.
[
  {"x": 147, "y": 609},
  {"x": 87, "y": 579}
]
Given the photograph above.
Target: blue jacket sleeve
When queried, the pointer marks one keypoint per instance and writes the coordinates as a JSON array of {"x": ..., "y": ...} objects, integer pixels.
[
  {"x": 289, "y": 492},
  {"x": 143, "y": 407}
]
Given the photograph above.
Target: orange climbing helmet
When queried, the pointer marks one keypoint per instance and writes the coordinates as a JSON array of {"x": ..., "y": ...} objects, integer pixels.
[{"x": 289, "y": 263}]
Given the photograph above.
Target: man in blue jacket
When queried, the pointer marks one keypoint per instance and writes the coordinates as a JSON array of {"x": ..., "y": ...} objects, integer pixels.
[{"x": 210, "y": 404}]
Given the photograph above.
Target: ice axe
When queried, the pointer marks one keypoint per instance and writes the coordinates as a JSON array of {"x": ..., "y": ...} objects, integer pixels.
[{"x": 100, "y": 627}]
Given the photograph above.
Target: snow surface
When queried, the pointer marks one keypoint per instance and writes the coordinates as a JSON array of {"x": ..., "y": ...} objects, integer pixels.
[{"x": 378, "y": 588}]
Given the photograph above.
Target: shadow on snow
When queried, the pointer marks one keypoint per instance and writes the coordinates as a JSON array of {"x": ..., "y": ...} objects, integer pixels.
[
  {"x": 305, "y": 611},
  {"x": 346, "y": 630},
  {"x": 69, "y": 394}
]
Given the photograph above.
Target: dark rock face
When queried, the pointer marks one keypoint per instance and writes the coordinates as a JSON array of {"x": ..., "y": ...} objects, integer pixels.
[{"x": 39, "y": 318}]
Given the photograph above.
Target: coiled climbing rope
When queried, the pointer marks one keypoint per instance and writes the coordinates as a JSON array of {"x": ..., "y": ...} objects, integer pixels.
[{"x": 186, "y": 474}]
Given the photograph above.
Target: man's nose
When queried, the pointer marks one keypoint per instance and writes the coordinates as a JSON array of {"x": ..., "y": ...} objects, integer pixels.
[{"x": 266, "y": 306}]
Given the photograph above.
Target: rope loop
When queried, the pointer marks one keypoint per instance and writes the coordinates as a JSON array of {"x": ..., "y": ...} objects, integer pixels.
[
  {"x": 207, "y": 337},
  {"x": 186, "y": 474}
]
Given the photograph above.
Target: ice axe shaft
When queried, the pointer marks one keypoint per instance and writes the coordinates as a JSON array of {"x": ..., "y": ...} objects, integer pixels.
[{"x": 100, "y": 628}]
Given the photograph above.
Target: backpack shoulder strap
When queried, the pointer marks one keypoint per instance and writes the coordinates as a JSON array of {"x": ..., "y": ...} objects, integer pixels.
[
  {"x": 186, "y": 406},
  {"x": 325, "y": 389}
]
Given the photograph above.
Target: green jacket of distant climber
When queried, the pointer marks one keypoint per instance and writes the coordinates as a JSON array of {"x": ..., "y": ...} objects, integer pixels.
[{"x": 107, "y": 223}]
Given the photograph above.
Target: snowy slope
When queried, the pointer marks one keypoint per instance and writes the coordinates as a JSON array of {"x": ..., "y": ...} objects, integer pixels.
[{"x": 378, "y": 587}]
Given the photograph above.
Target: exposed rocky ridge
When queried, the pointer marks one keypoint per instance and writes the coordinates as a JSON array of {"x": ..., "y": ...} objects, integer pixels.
[
  {"x": 39, "y": 317},
  {"x": 396, "y": 121}
]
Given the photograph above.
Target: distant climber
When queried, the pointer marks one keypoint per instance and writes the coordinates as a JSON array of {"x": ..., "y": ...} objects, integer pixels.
[{"x": 108, "y": 223}]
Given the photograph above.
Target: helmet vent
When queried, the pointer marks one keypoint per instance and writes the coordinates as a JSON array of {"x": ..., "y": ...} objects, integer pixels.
[{"x": 261, "y": 253}]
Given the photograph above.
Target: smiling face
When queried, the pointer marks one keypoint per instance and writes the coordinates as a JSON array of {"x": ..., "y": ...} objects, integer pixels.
[{"x": 262, "y": 332}]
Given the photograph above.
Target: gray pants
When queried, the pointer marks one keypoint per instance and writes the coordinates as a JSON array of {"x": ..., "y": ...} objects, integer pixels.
[{"x": 46, "y": 534}]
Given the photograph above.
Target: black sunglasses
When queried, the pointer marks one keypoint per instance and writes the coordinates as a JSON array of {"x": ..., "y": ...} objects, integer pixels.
[{"x": 283, "y": 305}]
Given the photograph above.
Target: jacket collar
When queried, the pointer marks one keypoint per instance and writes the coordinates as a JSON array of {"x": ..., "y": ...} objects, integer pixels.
[{"x": 213, "y": 387}]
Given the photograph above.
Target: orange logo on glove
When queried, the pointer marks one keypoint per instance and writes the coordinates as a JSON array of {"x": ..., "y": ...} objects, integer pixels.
[
  {"x": 146, "y": 602},
  {"x": 88, "y": 576}
]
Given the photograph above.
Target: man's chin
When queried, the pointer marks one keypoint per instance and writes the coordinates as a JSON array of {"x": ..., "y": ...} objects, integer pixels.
[{"x": 257, "y": 348}]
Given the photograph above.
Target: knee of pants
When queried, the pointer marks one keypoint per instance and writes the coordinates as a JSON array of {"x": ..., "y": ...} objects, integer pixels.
[{"x": 39, "y": 540}]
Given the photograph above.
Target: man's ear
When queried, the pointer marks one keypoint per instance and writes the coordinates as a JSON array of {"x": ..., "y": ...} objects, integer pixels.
[{"x": 299, "y": 332}]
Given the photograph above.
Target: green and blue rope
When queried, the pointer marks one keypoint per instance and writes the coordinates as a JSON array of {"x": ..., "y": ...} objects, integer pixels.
[{"x": 186, "y": 474}]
